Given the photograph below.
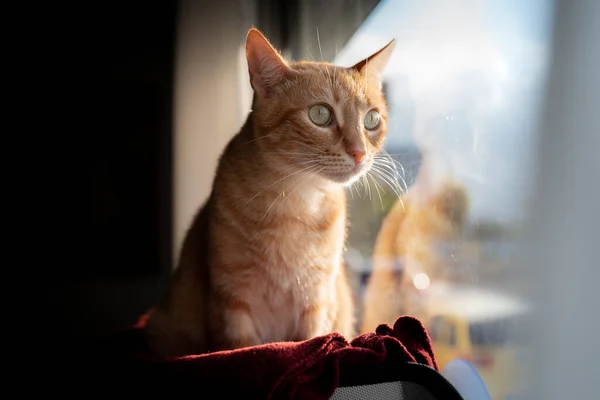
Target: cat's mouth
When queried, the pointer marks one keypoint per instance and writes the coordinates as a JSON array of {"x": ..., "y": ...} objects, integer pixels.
[{"x": 346, "y": 177}]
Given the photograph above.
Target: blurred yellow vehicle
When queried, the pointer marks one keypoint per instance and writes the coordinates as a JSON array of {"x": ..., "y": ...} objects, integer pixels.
[{"x": 483, "y": 327}]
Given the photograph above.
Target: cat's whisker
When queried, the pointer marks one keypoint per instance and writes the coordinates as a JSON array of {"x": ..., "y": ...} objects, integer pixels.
[
  {"x": 367, "y": 75},
  {"x": 363, "y": 193},
  {"x": 319, "y": 43},
  {"x": 394, "y": 185},
  {"x": 317, "y": 64},
  {"x": 388, "y": 157},
  {"x": 306, "y": 172},
  {"x": 288, "y": 153},
  {"x": 304, "y": 144},
  {"x": 374, "y": 178},
  {"x": 384, "y": 178},
  {"x": 384, "y": 151},
  {"x": 383, "y": 155},
  {"x": 390, "y": 160},
  {"x": 358, "y": 192},
  {"x": 295, "y": 161},
  {"x": 315, "y": 170},
  {"x": 387, "y": 162},
  {"x": 279, "y": 180},
  {"x": 255, "y": 139},
  {"x": 272, "y": 204},
  {"x": 389, "y": 172},
  {"x": 291, "y": 158},
  {"x": 353, "y": 187},
  {"x": 396, "y": 154},
  {"x": 367, "y": 185},
  {"x": 376, "y": 188},
  {"x": 396, "y": 162},
  {"x": 351, "y": 191},
  {"x": 391, "y": 167},
  {"x": 300, "y": 164},
  {"x": 321, "y": 51},
  {"x": 303, "y": 162},
  {"x": 335, "y": 75}
]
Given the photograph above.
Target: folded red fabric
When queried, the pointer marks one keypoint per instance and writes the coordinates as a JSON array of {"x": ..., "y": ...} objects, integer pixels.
[{"x": 289, "y": 370}]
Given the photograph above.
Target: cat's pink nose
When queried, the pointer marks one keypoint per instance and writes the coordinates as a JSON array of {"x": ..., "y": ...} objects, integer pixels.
[{"x": 357, "y": 155}]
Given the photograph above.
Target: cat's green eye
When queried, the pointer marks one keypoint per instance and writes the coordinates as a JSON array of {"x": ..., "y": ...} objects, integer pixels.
[
  {"x": 320, "y": 115},
  {"x": 372, "y": 120}
]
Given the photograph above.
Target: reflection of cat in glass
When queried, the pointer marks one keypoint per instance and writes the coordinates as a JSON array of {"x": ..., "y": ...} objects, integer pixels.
[
  {"x": 406, "y": 254},
  {"x": 414, "y": 244}
]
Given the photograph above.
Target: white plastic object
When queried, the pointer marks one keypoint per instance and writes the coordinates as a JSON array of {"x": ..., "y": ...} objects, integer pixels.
[{"x": 466, "y": 380}]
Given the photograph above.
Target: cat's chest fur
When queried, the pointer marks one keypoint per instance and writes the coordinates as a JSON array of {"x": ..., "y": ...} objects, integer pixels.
[
  {"x": 302, "y": 254},
  {"x": 295, "y": 257}
]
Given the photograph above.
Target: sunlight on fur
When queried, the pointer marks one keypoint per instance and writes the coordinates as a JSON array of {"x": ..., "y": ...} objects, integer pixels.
[{"x": 262, "y": 260}]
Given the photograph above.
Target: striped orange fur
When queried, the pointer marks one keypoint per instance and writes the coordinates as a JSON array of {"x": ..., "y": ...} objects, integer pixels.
[{"x": 262, "y": 260}]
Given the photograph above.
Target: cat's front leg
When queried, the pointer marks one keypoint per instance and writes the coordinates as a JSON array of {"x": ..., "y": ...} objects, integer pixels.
[
  {"x": 315, "y": 320},
  {"x": 239, "y": 329}
]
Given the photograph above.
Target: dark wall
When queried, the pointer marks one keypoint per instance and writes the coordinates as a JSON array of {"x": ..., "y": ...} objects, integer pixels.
[
  {"x": 117, "y": 254},
  {"x": 131, "y": 123}
]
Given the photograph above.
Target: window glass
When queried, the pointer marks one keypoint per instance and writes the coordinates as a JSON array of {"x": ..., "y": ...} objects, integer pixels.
[
  {"x": 442, "y": 331},
  {"x": 434, "y": 329},
  {"x": 464, "y": 86}
]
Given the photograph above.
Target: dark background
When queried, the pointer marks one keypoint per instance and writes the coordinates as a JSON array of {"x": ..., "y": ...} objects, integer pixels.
[{"x": 112, "y": 247}]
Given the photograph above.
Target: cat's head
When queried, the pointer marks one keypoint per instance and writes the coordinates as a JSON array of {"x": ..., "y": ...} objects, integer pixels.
[{"x": 317, "y": 118}]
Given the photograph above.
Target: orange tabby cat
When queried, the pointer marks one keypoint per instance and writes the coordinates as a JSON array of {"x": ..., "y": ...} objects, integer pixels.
[
  {"x": 262, "y": 260},
  {"x": 408, "y": 236}
]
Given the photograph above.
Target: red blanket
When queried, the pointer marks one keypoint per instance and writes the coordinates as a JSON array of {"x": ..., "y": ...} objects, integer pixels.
[{"x": 312, "y": 369}]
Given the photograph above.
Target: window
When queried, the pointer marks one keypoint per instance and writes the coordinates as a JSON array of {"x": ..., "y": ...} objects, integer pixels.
[
  {"x": 443, "y": 331},
  {"x": 464, "y": 87},
  {"x": 434, "y": 328},
  {"x": 498, "y": 332}
]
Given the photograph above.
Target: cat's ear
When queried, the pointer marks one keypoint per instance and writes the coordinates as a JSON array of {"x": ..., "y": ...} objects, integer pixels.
[
  {"x": 372, "y": 67},
  {"x": 266, "y": 67}
]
